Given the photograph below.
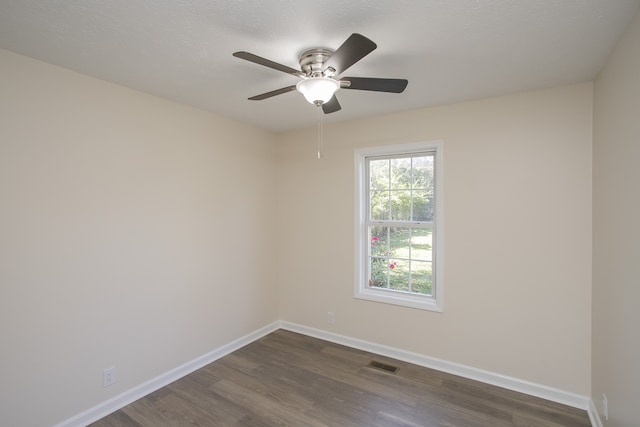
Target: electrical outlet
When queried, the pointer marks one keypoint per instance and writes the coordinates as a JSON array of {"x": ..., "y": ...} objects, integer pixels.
[
  {"x": 109, "y": 376},
  {"x": 605, "y": 407},
  {"x": 330, "y": 318}
]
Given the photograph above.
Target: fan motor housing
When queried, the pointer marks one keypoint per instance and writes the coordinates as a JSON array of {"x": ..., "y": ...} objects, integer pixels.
[{"x": 311, "y": 62}]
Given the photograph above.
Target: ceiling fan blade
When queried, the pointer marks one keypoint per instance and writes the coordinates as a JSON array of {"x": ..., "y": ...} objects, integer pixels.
[
  {"x": 267, "y": 63},
  {"x": 352, "y": 50},
  {"x": 375, "y": 84},
  {"x": 273, "y": 93},
  {"x": 331, "y": 106}
]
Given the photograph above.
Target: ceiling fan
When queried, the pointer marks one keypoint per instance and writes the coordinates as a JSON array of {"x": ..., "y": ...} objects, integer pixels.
[{"x": 320, "y": 68}]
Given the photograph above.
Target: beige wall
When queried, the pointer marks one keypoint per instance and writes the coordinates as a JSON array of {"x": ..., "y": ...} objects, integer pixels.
[
  {"x": 616, "y": 232},
  {"x": 134, "y": 232},
  {"x": 517, "y": 235}
]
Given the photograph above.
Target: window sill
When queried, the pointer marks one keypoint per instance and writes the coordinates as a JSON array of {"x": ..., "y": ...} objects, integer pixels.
[{"x": 399, "y": 298}]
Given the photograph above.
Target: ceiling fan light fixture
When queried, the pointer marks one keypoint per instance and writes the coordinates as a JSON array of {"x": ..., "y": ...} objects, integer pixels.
[{"x": 318, "y": 90}]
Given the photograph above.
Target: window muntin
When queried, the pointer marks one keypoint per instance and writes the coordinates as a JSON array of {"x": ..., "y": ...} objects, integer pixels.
[{"x": 397, "y": 233}]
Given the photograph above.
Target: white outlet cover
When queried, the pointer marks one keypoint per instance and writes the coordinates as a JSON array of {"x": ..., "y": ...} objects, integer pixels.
[{"x": 109, "y": 377}]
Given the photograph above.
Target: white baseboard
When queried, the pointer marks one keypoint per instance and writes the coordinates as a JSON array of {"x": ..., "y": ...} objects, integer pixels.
[
  {"x": 103, "y": 409},
  {"x": 533, "y": 389},
  {"x": 594, "y": 417}
]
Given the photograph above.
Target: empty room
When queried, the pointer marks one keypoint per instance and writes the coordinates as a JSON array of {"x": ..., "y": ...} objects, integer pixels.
[{"x": 319, "y": 213}]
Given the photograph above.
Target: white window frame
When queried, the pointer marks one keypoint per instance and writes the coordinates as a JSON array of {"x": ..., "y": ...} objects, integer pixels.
[{"x": 433, "y": 302}]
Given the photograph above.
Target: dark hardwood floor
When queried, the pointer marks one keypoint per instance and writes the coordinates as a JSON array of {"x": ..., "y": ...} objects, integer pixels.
[{"x": 288, "y": 379}]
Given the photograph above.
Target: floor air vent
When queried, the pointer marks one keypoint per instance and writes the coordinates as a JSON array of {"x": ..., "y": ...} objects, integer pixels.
[{"x": 383, "y": 367}]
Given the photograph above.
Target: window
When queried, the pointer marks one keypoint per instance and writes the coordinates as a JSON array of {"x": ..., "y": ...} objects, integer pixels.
[{"x": 399, "y": 225}]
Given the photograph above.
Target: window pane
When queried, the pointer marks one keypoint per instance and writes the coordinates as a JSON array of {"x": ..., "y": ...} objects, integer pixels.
[
  {"x": 421, "y": 244},
  {"x": 421, "y": 277},
  {"x": 379, "y": 272},
  {"x": 401, "y": 205},
  {"x": 379, "y": 239},
  {"x": 399, "y": 242},
  {"x": 399, "y": 275},
  {"x": 401, "y": 173},
  {"x": 380, "y": 205},
  {"x": 422, "y": 205},
  {"x": 423, "y": 172},
  {"x": 379, "y": 174}
]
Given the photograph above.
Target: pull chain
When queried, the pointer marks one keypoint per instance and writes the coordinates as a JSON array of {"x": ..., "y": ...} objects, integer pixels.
[{"x": 319, "y": 132}]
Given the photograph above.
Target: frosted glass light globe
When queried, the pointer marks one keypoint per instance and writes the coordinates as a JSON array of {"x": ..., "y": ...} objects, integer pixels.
[{"x": 318, "y": 90}]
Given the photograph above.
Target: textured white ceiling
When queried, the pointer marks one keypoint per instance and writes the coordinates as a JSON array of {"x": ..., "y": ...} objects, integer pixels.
[{"x": 449, "y": 50}]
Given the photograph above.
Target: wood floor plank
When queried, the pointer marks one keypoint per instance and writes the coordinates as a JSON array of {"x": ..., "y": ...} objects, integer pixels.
[
  {"x": 264, "y": 407},
  {"x": 267, "y": 386},
  {"x": 117, "y": 419},
  {"x": 289, "y": 379},
  {"x": 202, "y": 398},
  {"x": 147, "y": 413},
  {"x": 384, "y": 419}
]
